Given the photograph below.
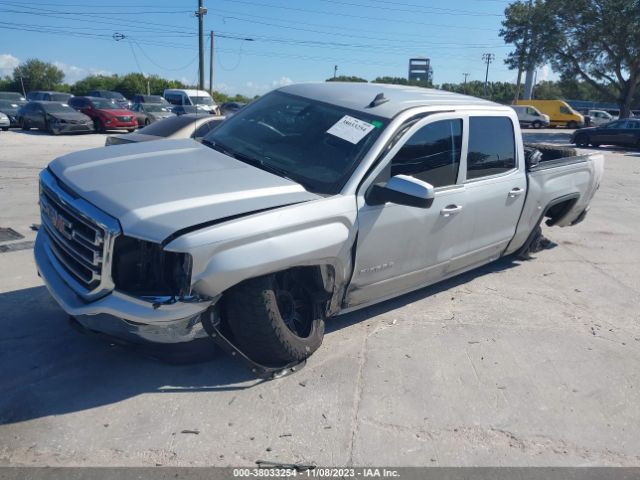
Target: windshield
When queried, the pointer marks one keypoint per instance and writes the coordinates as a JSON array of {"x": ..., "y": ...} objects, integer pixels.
[
  {"x": 10, "y": 104},
  {"x": 106, "y": 105},
  {"x": 57, "y": 108},
  {"x": 155, "y": 108},
  {"x": 313, "y": 143},
  {"x": 114, "y": 95},
  {"x": 11, "y": 96},
  {"x": 60, "y": 97},
  {"x": 197, "y": 100}
]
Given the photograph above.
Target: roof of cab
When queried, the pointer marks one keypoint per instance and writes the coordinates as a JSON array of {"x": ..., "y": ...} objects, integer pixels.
[{"x": 358, "y": 96}]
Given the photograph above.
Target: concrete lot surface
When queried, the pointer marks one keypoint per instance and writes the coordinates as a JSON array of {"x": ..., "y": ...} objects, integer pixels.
[{"x": 518, "y": 363}]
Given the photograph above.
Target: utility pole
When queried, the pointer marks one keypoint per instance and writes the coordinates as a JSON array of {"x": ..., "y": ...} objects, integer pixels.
[
  {"x": 487, "y": 58},
  {"x": 211, "y": 65},
  {"x": 465, "y": 82},
  {"x": 200, "y": 13},
  {"x": 335, "y": 71},
  {"x": 24, "y": 93}
]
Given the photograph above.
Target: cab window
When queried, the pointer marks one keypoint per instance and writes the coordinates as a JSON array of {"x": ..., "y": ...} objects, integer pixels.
[
  {"x": 565, "y": 110},
  {"x": 432, "y": 154},
  {"x": 492, "y": 148}
]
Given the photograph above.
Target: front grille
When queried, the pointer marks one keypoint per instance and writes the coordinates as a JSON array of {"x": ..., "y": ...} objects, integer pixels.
[
  {"x": 124, "y": 119},
  {"x": 80, "y": 237}
]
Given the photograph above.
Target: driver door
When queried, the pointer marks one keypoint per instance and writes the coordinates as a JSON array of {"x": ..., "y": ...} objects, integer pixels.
[{"x": 401, "y": 248}]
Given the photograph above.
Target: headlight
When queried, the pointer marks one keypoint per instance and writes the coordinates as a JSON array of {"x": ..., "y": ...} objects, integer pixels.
[
  {"x": 143, "y": 268},
  {"x": 60, "y": 120}
]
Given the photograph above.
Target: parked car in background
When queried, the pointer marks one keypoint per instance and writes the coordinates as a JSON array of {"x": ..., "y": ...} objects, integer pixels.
[
  {"x": 5, "y": 123},
  {"x": 49, "y": 96},
  {"x": 139, "y": 98},
  {"x": 229, "y": 108},
  {"x": 560, "y": 112},
  {"x": 147, "y": 113},
  {"x": 106, "y": 114},
  {"x": 529, "y": 116},
  {"x": 184, "y": 126},
  {"x": 54, "y": 117},
  {"x": 10, "y": 109},
  {"x": 199, "y": 98},
  {"x": 599, "y": 117},
  {"x": 117, "y": 97},
  {"x": 624, "y": 132},
  {"x": 13, "y": 96}
]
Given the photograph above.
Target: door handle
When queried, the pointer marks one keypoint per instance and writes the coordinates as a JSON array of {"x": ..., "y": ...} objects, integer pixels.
[
  {"x": 516, "y": 192},
  {"x": 450, "y": 210}
]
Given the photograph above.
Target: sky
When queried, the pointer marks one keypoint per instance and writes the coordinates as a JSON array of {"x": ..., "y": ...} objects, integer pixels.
[{"x": 258, "y": 44}]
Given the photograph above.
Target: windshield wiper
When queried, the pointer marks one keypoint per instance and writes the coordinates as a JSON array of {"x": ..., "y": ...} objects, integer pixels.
[{"x": 256, "y": 162}]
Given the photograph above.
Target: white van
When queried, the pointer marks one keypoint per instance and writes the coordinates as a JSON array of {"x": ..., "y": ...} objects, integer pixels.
[
  {"x": 600, "y": 117},
  {"x": 530, "y": 116},
  {"x": 198, "y": 98}
]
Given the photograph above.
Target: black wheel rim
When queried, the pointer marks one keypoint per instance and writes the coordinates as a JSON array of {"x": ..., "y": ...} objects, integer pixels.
[{"x": 295, "y": 305}]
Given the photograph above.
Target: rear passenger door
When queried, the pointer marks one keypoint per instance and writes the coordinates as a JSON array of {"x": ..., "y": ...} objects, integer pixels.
[{"x": 495, "y": 186}]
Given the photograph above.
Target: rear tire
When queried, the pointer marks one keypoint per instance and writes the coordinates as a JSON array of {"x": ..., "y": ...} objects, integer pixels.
[
  {"x": 582, "y": 141},
  {"x": 274, "y": 319},
  {"x": 24, "y": 125}
]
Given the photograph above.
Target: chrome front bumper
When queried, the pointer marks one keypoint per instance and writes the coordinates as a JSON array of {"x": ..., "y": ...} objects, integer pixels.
[{"x": 118, "y": 314}]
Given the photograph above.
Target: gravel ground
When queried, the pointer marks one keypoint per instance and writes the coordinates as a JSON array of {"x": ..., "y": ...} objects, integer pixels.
[{"x": 518, "y": 363}]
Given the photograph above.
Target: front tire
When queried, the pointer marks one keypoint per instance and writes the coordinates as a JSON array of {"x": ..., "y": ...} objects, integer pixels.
[
  {"x": 572, "y": 125},
  {"x": 274, "y": 319},
  {"x": 537, "y": 125},
  {"x": 24, "y": 125}
]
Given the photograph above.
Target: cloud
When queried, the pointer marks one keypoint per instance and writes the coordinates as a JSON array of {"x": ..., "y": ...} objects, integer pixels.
[
  {"x": 7, "y": 63},
  {"x": 281, "y": 82},
  {"x": 543, "y": 74},
  {"x": 73, "y": 73}
]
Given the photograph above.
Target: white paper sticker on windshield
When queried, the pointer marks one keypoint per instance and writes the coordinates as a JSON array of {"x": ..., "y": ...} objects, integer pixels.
[{"x": 350, "y": 129}]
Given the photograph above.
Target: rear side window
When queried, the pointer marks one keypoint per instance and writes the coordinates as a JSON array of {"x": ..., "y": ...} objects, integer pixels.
[
  {"x": 492, "y": 148},
  {"x": 432, "y": 154}
]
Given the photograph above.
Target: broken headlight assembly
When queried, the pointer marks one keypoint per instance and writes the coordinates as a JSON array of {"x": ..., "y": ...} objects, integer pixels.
[{"x": 145, "y": 269}]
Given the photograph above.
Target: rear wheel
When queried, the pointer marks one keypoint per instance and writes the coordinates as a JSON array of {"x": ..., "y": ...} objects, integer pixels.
[
  {"x": 582, "y": 140},
  {"x": 98, "y": 126},
  {"x": 274, "y": 319},
  {"x": 24, "y": 124}
]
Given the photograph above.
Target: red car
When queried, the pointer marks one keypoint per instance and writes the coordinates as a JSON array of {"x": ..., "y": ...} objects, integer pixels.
[{"x": 106, "y": 114}]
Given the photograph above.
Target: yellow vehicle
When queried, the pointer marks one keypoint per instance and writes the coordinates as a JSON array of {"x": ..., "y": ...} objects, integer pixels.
[{"x": 560, "y": 112}]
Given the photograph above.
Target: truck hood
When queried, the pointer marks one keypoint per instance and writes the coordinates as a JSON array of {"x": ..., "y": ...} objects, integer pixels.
[{"x": 157, "y": 188}]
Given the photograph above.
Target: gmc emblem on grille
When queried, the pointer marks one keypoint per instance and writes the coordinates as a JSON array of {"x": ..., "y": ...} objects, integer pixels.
[{"x": 58, "y": 222}]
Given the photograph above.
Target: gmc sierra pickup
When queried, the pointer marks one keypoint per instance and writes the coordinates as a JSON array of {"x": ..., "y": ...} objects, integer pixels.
[{"x": 314, "y": 200}]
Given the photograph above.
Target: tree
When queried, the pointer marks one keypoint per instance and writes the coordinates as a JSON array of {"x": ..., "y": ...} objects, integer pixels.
[
  {"x": 95, "y": 82},
  {"x": 402, "y": 81},
  {"x": 38, "y": 75},
  {"x": 525, "y": 25},
  {"x": 345, "y": 78},
  {"x": 597, "y": 41}
]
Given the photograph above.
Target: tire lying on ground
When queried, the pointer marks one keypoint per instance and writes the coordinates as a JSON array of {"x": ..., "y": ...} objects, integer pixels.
[{"x": 274, "y": 319}]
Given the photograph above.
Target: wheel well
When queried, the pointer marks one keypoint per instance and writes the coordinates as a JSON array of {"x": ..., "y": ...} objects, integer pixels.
[{"x": 558, "y": 209}]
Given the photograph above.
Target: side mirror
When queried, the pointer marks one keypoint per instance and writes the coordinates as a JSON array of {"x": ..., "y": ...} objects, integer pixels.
[{"x": 402, "y": 190}]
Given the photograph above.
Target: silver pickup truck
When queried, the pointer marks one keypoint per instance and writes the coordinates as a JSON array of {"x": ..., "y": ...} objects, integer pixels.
[{"x": 315, "y": 200}]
